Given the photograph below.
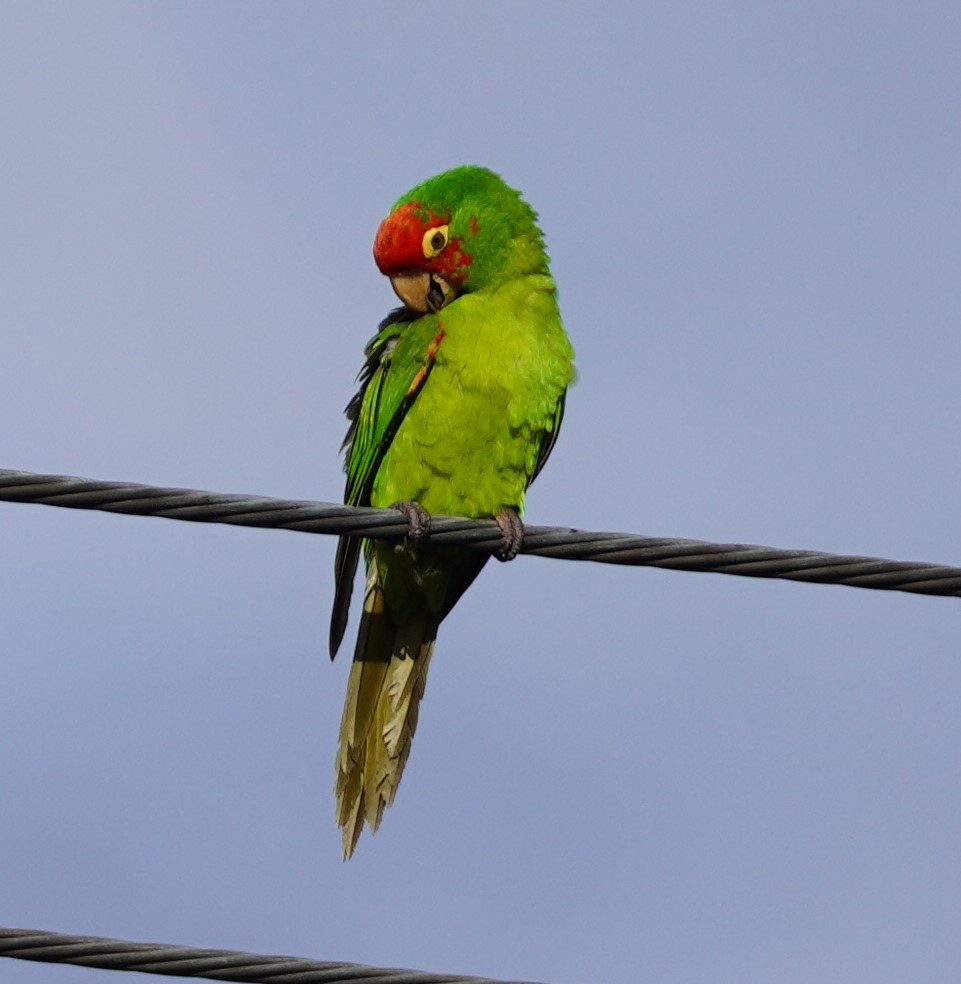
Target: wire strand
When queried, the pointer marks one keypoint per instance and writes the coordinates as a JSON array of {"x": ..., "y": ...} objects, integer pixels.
[
  {"x": 745, "y": 560},
  {"x": 219, "y": 965}
]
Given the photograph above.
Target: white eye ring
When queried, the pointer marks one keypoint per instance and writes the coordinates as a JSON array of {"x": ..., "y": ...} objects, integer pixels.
[{"x": 434, "y": 241}]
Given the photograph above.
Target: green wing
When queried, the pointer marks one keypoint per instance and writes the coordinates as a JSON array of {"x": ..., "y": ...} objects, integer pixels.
[{"x": 387, "y": 391}]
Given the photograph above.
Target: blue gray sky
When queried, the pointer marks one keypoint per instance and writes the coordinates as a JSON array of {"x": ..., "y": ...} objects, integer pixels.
[{"x": 753, "y": 211}]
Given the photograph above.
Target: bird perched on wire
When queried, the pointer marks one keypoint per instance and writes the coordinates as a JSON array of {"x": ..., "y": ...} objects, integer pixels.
[{"x": 461, "y": 398}]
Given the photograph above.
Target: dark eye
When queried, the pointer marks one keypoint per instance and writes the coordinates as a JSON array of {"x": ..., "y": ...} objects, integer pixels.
[{"x": 434, "y": 241}]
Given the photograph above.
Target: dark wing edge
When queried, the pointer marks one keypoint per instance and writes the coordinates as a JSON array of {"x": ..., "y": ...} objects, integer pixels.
[
  {"x": 549, "y": 437},
  {"x": 345, "y": 569}
]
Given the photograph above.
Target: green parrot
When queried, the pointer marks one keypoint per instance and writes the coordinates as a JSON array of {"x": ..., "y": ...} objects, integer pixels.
[{"x": 460, "y": 402}]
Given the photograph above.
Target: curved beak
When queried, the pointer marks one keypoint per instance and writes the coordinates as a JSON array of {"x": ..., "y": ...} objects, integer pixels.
[{"x": 422, "y": 291}]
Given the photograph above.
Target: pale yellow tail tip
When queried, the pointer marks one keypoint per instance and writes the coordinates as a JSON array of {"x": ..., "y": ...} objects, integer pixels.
[{"x": 351, "y": 825}]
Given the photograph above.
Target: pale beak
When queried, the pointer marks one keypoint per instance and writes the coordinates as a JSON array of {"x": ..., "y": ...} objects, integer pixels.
[{"x": 422, "y": 291}]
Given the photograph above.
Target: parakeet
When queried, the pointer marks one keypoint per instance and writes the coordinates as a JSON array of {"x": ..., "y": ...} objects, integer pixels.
[{"x": 460, "y": 402}]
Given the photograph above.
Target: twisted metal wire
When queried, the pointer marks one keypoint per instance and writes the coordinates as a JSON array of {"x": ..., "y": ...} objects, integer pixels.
[
  {"x": 746, "y": 560},
  {"x": 219, "y": 965}
]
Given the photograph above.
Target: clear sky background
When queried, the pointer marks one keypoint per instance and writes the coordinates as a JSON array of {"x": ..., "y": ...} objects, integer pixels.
[{"x": 753, "y": 211}]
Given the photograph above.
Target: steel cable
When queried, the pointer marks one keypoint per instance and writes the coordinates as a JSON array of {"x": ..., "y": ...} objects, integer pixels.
[
  {"x": 219, "y": 965},
  {"x": 745, "y": 560}
]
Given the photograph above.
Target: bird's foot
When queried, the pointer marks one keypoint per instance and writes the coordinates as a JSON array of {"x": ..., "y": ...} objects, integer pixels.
[
  {"x": 418, "y": 523},
  {"x": 512, "y": 534}
]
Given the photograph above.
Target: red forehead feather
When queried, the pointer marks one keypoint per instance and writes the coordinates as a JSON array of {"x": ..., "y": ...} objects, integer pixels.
[{"x": 399, "y": 244}]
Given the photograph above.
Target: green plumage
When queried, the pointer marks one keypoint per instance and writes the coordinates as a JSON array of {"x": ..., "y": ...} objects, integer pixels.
[{"x": 458, "y": 409}]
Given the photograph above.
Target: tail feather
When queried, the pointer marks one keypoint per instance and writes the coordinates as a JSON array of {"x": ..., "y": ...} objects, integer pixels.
[{"x": 384, "y": 690}]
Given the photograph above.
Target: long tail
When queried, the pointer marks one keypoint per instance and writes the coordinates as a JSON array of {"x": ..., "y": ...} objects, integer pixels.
[{"x": 386, "y": 684}]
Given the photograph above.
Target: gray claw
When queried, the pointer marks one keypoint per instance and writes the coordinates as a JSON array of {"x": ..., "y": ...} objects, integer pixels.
[
  {"x": 418, "y": 522},
  {"x": 512, "y": 534}
]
